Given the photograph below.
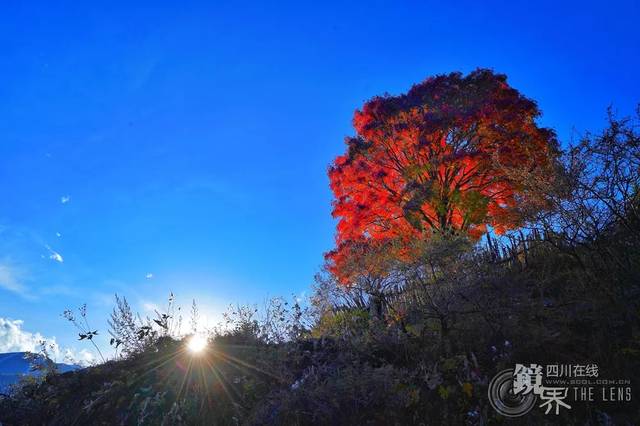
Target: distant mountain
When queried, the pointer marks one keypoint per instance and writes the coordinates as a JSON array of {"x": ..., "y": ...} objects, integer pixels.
[{"x": 13, "y": 365}]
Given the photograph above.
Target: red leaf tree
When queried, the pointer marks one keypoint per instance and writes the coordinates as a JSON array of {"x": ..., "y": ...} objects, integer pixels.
[{"x": 440, "y": 158}]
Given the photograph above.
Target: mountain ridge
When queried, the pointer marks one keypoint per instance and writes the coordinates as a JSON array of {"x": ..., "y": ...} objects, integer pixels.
[{"x": 13, "y": 365}]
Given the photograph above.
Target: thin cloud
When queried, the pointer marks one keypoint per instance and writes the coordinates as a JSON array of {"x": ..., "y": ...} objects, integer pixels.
[
  {"x": 10, "y": 279},
  {"x": 150, "y": 307},
  {"x": 302, "y": 297}
]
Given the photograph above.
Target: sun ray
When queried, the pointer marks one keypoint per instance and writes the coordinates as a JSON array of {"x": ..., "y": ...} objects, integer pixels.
[{"x": 231, "y": 359}]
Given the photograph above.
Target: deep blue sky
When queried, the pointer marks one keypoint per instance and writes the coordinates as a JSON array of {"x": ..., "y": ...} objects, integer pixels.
[{"x": 192, "y": 140}]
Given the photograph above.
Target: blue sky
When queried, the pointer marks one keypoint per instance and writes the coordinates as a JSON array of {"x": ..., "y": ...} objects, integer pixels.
[{"x": 190, "y": 141}]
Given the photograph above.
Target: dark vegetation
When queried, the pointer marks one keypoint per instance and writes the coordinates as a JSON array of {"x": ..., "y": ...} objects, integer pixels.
[{"x": 411, "y": 339}]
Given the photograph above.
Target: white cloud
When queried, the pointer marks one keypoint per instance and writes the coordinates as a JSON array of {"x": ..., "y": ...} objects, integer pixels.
[
  {"x": 65, "y": 199},
  {"x": 81, "y": 357},
  {"x": 13, "y": 338},
  {"x": 53, "y": 255}
]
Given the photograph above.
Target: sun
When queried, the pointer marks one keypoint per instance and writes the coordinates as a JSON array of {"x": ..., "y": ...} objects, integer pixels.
[{"x": 197, "y": 344}]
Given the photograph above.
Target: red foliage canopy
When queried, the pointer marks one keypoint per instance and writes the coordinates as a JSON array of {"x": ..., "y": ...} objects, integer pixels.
[{"x": 435, "y": 159}]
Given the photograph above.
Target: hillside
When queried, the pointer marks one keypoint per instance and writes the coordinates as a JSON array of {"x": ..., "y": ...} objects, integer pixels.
[{"x": 355, "y": 367}]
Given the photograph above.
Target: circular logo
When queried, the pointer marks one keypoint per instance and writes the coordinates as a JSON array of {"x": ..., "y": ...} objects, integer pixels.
[{"x": 504, "y": 401}]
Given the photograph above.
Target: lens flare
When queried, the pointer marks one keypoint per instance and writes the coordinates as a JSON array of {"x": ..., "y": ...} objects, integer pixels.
[{"x": 197, "y": 344}]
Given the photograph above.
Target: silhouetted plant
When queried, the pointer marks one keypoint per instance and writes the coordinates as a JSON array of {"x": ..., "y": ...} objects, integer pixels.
[
  {"x": 195, "y": 317},
  {"x": 85, "y": 331},
  {"x": 124, "y": 328}
]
